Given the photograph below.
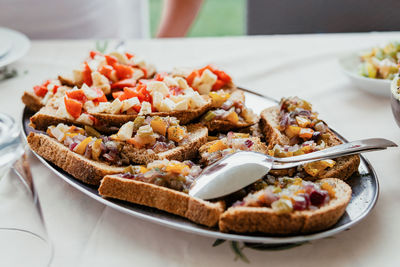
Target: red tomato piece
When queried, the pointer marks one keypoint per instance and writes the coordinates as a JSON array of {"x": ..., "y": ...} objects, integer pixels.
[
  {"x": 137, "y": 108},
  {"x": 55, "y": 89},
  {"x": 129, "y": 55},
  {"x": 77, "y": 95},
  {"x": 192, "y": 76},
  {"x": 123, "y": 71},
  {"x": 130, "y": 92},
  {"x": 74, "y": 107},
  {"x": 111, "y": 60},
  {"x": 223, "y": 76},
  {"x": 94, "y": 53},
  {"x": 101, "y": 97},
  {"x": 218, "y": 85},
  {"x": 40, "y": 90},
  {"x": 124, "y": 83},
  {"x": 106, "y": 70},
  {"x": 160, "y": 76},
  {"x": 120, "y": 95},
  {"x": 87, "y": 75}
]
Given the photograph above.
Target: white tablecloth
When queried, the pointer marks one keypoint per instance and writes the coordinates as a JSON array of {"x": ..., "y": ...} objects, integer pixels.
[{"x": 86, "y": 233}]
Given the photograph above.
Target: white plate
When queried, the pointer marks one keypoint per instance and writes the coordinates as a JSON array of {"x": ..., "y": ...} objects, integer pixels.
[
  {"x": 5, "y": 46},
  {"x": 350, "y": 63},
  {"x": 19, "y": 46}
]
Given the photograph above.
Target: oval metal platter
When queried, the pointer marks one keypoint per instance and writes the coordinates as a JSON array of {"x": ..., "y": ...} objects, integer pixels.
[{"x": 364, "y": 185}]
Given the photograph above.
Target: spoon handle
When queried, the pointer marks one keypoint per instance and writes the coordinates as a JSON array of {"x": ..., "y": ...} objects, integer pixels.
[{"x": 350, "y": 148}]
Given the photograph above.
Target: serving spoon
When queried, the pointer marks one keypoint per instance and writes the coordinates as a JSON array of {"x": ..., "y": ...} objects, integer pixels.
[{"x": 242, "y": 168}]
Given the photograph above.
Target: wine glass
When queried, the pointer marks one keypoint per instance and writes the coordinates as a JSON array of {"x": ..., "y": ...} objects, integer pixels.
[{"x": 23, "y": 237}]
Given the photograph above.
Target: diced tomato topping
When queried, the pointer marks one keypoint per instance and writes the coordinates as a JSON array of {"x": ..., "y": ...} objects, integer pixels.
[
  {"x": 192, "y": 76},
  {"x": 77, "y": 95},
  {"x": 144, "y": 95},
  {"x": 223, "y": 76},
  {"x": 124, "y": 83},
  {"x": 94, "y": 53},
  {"x": 101, "y": 97},
  {"x": 130, "y": 92},
  {"x": 40, "y": 90},
  {"x": 160, "y": 76},
  {"x": 106, "y": 70},
  {"x": 111, "y": 60},
  {"x": 120, "y": 95},
  {"x": 123, "y": 71},
  {"x": 137, "y": 108},
  {"x": 87, "y": 75},
  {"x": 55, "y": 88},
  {"x": 218, "y": 85},
  {"x": 74, "y": 107},
  {"x": 129, "y": 55}
]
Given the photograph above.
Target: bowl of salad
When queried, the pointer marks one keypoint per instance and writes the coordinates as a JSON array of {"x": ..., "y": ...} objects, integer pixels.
[{"x": 373, "y": 69}]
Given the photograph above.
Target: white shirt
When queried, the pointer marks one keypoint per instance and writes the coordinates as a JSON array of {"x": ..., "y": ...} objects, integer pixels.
[{"x": 76, "y": 19}]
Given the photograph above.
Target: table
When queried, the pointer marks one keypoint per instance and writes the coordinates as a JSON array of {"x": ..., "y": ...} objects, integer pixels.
[{"x": 86, "y": 233}]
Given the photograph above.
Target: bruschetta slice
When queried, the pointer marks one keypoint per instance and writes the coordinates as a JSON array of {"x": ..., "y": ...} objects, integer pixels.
[
  {"x": 289, "y": 206},
  {"x": 163, "y": 184},
  {"x": 293, "y": 128},
  {"x": 138, "y": 142}
]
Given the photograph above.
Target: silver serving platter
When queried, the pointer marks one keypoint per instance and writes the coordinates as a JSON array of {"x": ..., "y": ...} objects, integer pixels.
[{"x": 364, "y": 185}]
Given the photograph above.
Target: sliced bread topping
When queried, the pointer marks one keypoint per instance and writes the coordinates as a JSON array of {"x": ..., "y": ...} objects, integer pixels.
[
  {"x": 285, "y": 195},
  {"x": 168, "y": 173}
]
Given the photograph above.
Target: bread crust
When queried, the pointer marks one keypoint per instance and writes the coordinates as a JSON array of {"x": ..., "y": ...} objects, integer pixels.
[
  {"x": 265, "y": 220},
  {"x": 344, "y": 167},
  {"x": 162, "y": 198},
  {"x": 109, "y": 123},
  {"x": 32, "y": 101},
  {"x": 83, "y": 169}
]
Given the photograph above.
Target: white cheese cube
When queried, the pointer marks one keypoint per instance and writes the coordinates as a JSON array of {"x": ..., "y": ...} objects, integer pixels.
[
  {"x": 157, "y": 99},
  {"x": 156, "y": 86},
  {"x": 182, "y": 105},
  {"x": 46, "y": 98},
  {"x": 102, "y": 107},
  {"x": 167, "y": 105},
  {"x": 115, "y": 106},
  {"x": 146, "y": 108},
  {"x": 85, "y": 119},
  {"x": 128, "y": 103},
  {"x": 126, "y": 131},
  {"x": 77, "y": 76},
  {"x": 197, "y": 100},
  {"x": 101, "y": 81},
  {"x": 90, "y": 93},
  {"x": 137, "y": 74},
  {"x": 205, "y": 82},
  {"x": 89, "y": 105},
  {"x": 182, "y": 83},
  {"x": 62, "y": 111},
  {"x": 120, "y": 57},
  {"x": 169, "y": 81}
]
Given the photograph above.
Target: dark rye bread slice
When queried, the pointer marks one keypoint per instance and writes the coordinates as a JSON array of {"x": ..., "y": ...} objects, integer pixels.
[
  {"x": 32, "y": 101},
  {"x": 109, "y": 123},
  {"x": 266, "y": 220},
  {"x": 258, "y": 146},
  {"x": 344, "y": 167},
  {"x": 86, "y": 170},
  {"x": 162, "y": 198},
  {"x": 186, "y": 150}
]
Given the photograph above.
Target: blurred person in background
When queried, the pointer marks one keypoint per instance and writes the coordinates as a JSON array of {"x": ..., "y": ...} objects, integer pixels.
[{"x": 95, "y": 19}]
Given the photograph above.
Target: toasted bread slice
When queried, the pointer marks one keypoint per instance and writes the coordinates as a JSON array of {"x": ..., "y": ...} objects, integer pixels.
[
  {"x": 344, "y": 167},
  {"x": 86, "y": 170},
  {"x": 266, "y": 220},
  {"x": 32, "y": 101},
  {"x": 162, "y": 198},
  {"x": 187, "y": 150},
  {"x": 257, "y": 146},
  {"x": 109, "y": 123}
]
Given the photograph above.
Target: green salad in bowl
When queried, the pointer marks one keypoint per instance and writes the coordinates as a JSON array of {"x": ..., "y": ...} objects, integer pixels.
[{"x": 380, "y": 62}]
